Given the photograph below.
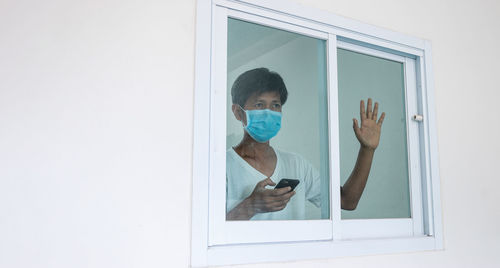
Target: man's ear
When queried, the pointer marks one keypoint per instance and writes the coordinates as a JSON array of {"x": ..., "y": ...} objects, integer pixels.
[{"x": 238, "y": 113}]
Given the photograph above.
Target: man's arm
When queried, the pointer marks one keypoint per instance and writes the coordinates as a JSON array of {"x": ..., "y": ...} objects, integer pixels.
[
  {"x": 368, "y": 136},
  {"x": 243, "y": 211},
  {"x": 353, "y": 188}
]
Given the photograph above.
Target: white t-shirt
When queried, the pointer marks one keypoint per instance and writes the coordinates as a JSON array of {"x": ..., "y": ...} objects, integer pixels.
[{"x": 241, "y": 179}]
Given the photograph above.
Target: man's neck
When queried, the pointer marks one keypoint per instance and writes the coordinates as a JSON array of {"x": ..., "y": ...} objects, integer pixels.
[{"x": 249, "y": 148}]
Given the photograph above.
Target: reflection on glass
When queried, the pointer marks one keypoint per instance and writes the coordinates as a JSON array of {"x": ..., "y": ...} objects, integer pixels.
[
  {"x": 360, "y": 76},
  {"x": 276, "y": 124}
]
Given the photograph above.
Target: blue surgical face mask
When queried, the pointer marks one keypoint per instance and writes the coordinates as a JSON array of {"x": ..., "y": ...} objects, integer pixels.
[{"x": 262, "y": 125}]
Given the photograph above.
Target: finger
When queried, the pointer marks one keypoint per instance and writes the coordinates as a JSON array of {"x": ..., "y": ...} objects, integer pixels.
[
  {"x": 355, "y": 125},
  {"x": 375, "y": 111},
  {"x": 289, "y": 195},
  {"x": 281, "y": 208},
  {"x": 281, "y": 191},
  {"x": 272, "y": 205},
  {"x": 277, "y": 208},
  {"x": 284, "y": 197},
  {"x": 263, "y": 183},
  {"x": 362, "y": 110},
  {"x": 277, "y": 205},
  {"x": 381, "y": 120},
  {"x": 369, "y": 109}
]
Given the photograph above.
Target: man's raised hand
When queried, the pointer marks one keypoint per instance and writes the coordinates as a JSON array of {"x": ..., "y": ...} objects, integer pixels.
[{"x": 368, "y": 134}]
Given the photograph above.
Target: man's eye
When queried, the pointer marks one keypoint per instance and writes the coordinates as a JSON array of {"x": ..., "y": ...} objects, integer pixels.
[
  {"x": 259, "y": 105},
  {"x": 276, "y": 105}
]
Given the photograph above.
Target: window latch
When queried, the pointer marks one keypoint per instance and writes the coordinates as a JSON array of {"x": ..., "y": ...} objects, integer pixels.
[{"x": 418, "y": 118}]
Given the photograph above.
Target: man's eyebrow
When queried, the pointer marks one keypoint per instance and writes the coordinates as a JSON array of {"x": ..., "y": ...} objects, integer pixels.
[{"x": 262, "y": 99}]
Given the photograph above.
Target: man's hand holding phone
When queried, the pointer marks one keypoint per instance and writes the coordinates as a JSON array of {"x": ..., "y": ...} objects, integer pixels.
[{"x": 269, "y": 200}]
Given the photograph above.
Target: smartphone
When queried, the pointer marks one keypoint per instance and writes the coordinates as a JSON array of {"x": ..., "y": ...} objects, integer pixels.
[{"x": 287, "y": 182}]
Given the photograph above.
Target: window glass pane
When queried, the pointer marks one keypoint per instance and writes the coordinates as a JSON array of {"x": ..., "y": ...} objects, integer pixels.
[
  {"x": 259, "y": 55},
  {"x": 361, "y": 76}
]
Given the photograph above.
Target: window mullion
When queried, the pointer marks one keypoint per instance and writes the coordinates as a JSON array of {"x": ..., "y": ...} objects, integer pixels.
[{"x": 334, "y": 136}]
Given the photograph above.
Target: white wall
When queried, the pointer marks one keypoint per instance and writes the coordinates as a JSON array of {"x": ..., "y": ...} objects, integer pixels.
[{"x": 96, "y": 101}]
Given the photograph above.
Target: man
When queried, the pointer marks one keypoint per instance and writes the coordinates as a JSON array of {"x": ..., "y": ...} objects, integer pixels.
[{"x": 258, "y": 96}]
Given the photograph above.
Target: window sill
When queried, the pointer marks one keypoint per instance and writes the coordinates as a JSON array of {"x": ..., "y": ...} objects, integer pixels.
[{"x": 258, "y": 253}]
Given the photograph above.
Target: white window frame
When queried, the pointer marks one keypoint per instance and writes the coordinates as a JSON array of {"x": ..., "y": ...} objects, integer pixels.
[
  {"x": 210, "y": 245},
  {"x": 414, "y": 226},
  {"x": 222, "y": 232}
]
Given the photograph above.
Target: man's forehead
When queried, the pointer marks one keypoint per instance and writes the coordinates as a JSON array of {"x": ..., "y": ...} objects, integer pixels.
[{"x": 265, "y": 96}]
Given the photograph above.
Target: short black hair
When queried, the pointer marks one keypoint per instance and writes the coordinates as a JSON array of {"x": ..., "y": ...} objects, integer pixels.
[{"x": 257, "y": 81}]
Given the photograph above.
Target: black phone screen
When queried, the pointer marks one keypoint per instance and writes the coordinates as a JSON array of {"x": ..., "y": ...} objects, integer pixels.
[{"x": 287, "y": 182}]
